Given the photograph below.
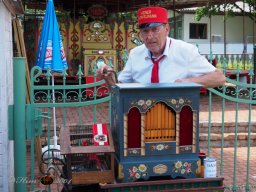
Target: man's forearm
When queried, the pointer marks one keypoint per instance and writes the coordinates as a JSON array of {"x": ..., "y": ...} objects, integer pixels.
[{"x": 210, "y": 80}]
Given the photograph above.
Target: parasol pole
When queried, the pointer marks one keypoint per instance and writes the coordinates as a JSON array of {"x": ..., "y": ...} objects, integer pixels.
[{"x": 55, "y": 138}]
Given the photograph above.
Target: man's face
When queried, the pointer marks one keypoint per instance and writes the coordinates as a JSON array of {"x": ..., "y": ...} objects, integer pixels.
[{"x": 154, "y": 38}]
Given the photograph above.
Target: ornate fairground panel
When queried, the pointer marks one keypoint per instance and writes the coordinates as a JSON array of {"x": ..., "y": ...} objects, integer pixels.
[{"x": 117, "y": 32}]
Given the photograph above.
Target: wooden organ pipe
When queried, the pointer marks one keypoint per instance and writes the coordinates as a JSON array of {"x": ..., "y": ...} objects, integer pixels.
[
  {"x": 160, "y": 123},
  {"x": 143, "y": 117},
  {"x": 125, "y": 134},
  {"x": 177, "y": 133},
  {"x": 194, "y": 132}
]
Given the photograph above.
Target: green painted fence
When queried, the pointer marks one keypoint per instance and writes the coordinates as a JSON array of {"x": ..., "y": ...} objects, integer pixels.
[{"x": 240, "y": 88}]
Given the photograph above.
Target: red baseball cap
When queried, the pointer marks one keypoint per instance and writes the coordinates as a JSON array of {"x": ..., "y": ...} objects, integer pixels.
[{"x": 152, "y": 16}]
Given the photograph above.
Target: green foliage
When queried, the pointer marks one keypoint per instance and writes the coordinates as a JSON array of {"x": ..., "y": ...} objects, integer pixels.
[
  {"x": 213, "y": 9},
  {"x": 206, "y": 11}
]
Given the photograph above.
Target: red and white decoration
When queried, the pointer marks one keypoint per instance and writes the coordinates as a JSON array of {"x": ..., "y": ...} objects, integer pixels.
[{"x": 100, "y": 134}]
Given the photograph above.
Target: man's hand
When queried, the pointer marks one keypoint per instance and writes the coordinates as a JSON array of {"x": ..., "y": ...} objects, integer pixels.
[{"x": 107, "y": 73}]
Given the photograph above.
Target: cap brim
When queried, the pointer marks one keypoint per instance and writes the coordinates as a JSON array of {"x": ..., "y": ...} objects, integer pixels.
[{"x": 146, "y": 25}]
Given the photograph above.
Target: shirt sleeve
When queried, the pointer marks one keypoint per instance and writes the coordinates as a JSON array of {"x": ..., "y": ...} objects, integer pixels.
[
  {"x": 125, "y": 76},
  {"x": 197, "y": 64}
]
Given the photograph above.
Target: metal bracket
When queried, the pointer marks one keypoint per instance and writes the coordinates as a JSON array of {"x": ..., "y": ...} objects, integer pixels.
[{"x": 34, "y": 121}]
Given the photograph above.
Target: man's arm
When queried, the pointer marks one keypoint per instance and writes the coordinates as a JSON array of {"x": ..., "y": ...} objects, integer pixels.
[{"x": 209, "y": 80}]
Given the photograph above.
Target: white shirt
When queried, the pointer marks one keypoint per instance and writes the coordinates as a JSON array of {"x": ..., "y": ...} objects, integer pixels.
[{"x": 182, "y": 60}]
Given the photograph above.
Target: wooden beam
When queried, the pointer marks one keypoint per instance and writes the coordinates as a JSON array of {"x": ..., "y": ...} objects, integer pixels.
[
  {"x": 15, "y": 7},
  {"x": 21, "y": 51}
]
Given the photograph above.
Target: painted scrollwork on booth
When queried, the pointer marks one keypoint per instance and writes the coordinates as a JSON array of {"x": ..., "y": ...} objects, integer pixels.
[{"x": 97, "y": 32}]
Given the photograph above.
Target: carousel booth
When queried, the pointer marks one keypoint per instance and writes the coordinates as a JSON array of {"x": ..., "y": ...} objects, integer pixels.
[{"x": 155, "y": 130}]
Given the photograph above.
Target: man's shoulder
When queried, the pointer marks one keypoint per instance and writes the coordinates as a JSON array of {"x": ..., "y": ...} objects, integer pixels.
[
  {"x": 141, "y": 49},
  {"x": 178, "y": 42}
]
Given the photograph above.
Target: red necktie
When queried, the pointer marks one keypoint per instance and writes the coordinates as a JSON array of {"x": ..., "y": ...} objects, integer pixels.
[{"x": 155, "y": 70}]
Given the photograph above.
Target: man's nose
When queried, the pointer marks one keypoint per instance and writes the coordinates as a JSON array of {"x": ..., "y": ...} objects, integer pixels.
[{"x": 150, "y": 34}]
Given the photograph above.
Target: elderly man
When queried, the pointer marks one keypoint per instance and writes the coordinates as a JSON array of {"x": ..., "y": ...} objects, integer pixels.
[{"x": 162, "y": 59}]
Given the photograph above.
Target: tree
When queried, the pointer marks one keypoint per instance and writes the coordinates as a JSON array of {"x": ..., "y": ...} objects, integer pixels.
[{"x": 229, "y": 8}]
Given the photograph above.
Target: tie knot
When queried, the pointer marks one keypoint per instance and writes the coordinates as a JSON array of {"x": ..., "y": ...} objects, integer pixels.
[{"x": 158, "y": 59}]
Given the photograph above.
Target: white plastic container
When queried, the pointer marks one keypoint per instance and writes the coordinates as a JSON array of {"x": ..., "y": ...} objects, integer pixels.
[{"x": 210, "y": 169}]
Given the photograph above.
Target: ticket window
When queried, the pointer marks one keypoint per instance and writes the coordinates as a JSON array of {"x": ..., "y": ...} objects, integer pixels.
[{"x": 92, "y": 57}]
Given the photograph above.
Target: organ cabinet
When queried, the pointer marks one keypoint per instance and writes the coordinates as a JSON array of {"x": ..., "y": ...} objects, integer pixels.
[{"x": 155, "y": 130}]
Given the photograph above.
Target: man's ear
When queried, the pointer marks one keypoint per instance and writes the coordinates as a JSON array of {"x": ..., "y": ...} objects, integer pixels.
[{"x": 167, "y": 27}]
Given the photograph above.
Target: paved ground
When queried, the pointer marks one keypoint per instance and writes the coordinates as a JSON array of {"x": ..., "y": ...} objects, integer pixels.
[
  {"x": 229, "y": 107},
  {"x": 228, "y": 157}
]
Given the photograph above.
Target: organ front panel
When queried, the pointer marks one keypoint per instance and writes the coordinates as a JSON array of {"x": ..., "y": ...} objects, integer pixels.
[{"x": 157, "y": 127}]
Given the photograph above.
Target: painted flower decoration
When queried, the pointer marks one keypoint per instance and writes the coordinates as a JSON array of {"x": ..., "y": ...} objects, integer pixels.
[
  {"x": 173, "y": 101},
  {"x": 137, "y": 176},
  {"x": 134, "y": 151},
  {"x": 148, "y": 102},
  {"x": 178, "y": 164},
  {"x": 181, "y": 101},
  {"x": 160, "y": 147},
  {"x": 141, "y": 102},
  {"x": 132, "y": 174},
  {"x": 182, "y": 168},
  {"x": 138, "y": 172},
  {"x": 142, "y": 168}
]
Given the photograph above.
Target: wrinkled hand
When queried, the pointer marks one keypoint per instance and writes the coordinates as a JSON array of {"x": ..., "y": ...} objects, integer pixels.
[
  {"x": 107, "y": 73},
  {"x": 104, "y": 71}
]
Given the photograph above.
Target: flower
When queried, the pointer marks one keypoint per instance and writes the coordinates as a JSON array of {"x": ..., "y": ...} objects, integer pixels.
[
  {"x": 183, "y": 168},
  {"x": 134, "y": 169},
  {"x": 178, "y": 164},
  {"x": 160, "y": 147},
  {"x": 141, "y": 102},
  {"x": 173, "y": 101},
  {"x": 152, "y": 147},
  {"x": 132, "y": 174},
  {"x": 188, "y": 170},
  {"x": 142, "y": 168},
  {"x": 138, "y": 172},
  {"x": 137, "y": 176},
  {"x": 181, "y": 101},
  {"x": 148, "y": 102},
  {"x": 134, "y": 151}
]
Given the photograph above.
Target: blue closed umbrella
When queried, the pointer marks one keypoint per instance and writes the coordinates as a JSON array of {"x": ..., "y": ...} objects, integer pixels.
[{"x": 50, "y": 53}]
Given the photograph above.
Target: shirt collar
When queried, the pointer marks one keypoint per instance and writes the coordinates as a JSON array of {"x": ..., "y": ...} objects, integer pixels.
[{"x": 166, "y": 49}]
